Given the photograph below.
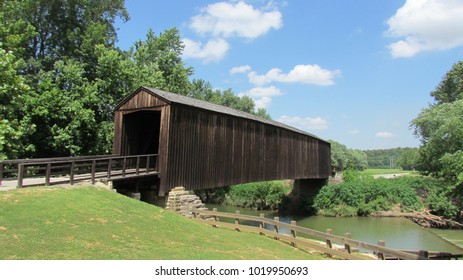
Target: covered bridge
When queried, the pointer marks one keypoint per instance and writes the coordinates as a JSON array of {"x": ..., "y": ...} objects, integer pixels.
[{"x": 202, "y": 145}]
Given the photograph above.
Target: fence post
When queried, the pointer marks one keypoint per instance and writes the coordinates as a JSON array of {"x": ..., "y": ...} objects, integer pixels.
[
  {"x": 110, "y": 166},
  {"x": 237, "y": 221},
  {"x": 329, "y": 244},
  {"x": 71, "y": 173},
  {"x": 124, "y": 164},
  {"x": 261, "y": 224},
  {"x": 277, "y": 229},
  {"x": 147, "y": 164},
  {"x": 93, "y": 171},
  {"x": 381, "y": 255},
  {"x": 1, "y": 173},
  {"x": 424, "y": 254},
  {"x": 20, "y": 175},
  {"x": 347, "y": 246},
  {"x": 48, "y": 174},
  {"x": 138, "y": 165},
  {"x": 293, "y": 233}
]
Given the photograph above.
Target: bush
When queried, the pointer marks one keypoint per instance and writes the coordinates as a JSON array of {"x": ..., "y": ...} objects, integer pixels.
[
  {"x": 441, "y": 205},
  {"x": 366, "y": 196},
  {"x": 260, "y": 196}
]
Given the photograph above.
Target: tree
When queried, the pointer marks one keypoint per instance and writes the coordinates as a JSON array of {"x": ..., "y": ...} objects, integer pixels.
[
  {"x": 12, "y": 90},
  {"x": 440, "y": 128},
  {"x": 159, "y": 63},
  {"x": 409, "y": 159}
]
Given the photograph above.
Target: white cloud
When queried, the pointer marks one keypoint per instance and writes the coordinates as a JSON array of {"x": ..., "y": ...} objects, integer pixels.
[
  {"x": 240, "y": 69},
  {"x": 384, "y": 134},
  {"x": 426, "y": 25},
  {"x": 306, "y": 74},
  {"x": 235, "y": 19},
  {"x": 262, "y": 96},
  {"x": 306, "y": 123},
  {"x": 213, "y": 50}
]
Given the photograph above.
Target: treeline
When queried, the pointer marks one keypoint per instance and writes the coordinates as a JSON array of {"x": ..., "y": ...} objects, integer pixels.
[
  {"x": 404, "y": 158},
  {"x": 344, "y": 158},
  {"x": 61, "y": 76}
]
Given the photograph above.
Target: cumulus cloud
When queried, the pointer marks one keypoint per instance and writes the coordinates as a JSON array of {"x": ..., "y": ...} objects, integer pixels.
[
  {"x": 240, "y": 69},
  {"x": 213, "y": 50},
  {"x": 306, "y": 74},
  {"x": 307, "y": 123},
  {"x": 426, "y": 25},
  {"x": 224, "y": 19},
  {"x": 384, "y": 134},
  {"x": 262, "y": 96}
]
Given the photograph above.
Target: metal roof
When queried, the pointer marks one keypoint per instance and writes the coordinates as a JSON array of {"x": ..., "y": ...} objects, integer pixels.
[{"x": 188, "y": 101}]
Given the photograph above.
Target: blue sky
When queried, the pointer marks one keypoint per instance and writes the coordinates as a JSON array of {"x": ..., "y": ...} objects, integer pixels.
[{"x": 355, "y": 71}]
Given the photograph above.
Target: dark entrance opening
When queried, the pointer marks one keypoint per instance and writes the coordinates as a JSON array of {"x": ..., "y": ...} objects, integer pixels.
[{"x": 140, "y": 133}]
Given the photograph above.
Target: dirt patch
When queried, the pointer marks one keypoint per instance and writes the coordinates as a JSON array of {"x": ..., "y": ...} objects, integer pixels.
[{"x": 2, "y": 228}]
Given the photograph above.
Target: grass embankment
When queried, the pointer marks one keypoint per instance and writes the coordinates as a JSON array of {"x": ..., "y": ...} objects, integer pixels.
[{"x": 91, "y": 223}]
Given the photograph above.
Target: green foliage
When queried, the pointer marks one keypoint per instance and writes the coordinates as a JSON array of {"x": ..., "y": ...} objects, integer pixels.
[
  {"x": 367, "y": 196},
  {"x": 260, "y": 196},
  {"x": 440, "y": 128},
  {"x": 441, "y": 205},
  {"x": 345, "y": 158},
  {"x": 405, "y": 158},
  {"x": 61, "y": 76}
]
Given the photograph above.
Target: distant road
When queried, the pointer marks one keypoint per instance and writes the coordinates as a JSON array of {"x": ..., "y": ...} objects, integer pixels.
[{"x": 390, "y": 176}]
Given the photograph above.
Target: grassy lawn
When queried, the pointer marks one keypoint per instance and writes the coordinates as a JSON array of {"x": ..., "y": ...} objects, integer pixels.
[
  {"x": 371, "y": 172},
  {"x": 91, "y": 223}
]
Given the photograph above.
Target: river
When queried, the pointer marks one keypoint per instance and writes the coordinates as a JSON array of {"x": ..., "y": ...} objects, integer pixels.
[{"x": 399, "y": 233}]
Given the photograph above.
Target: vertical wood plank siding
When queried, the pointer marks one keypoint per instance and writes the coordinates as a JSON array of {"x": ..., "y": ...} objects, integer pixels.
[
  {"x": 202, "y": 148},
  {"x": 208, "y": 150}
]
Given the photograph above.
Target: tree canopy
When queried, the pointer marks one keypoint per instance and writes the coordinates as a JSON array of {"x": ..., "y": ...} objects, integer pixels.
[
  {"x": 440, "y": 129},
  {"x": 61, "y": 75}
]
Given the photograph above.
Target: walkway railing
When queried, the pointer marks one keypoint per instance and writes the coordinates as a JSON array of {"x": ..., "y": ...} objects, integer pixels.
[
  {"x": 294, "y": 238},
  {"x": 47, "y": 171}
]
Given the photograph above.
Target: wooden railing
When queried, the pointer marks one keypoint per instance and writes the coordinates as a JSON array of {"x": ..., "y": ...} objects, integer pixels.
[
  {"x": 46, "y": 171},
  {"x": 379, "y": 250}
]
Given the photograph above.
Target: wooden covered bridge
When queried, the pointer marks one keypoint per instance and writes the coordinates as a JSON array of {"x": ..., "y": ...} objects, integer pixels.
[
  {"x": 164, "y": 140},
  {"x": 201, "y": 145}
]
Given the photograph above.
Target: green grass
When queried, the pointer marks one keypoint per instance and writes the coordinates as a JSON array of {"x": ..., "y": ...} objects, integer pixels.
[
  {"x": 90, "y": 223},
  {"x": 372, "y": 172}
]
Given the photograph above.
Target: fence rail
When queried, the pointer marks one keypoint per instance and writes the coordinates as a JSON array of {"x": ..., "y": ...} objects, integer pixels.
[
  {"x": 47, "y": 171},
  {"x": 380, "y": 250}
]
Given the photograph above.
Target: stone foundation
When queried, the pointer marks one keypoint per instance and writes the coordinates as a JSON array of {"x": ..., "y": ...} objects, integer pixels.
[{"x": 181, "y": 201}]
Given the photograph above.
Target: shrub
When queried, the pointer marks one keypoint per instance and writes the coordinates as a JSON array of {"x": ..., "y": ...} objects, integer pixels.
[{"x": 260, "y": 196}]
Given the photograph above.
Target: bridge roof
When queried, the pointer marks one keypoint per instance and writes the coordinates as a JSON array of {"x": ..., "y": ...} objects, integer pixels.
[{"x": 188, "y": 101}]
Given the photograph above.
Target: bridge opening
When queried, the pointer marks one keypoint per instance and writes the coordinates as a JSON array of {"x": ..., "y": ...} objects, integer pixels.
[{"x": 140, "y": 132}]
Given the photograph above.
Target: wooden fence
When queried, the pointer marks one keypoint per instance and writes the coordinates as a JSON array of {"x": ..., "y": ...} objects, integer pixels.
[
  {"x": 347, "y": 244},
  {"x": 47, "y": 171}
]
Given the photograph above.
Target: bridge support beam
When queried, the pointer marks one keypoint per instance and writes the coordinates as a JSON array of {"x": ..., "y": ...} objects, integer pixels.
[{"x": 303, "y": 194}]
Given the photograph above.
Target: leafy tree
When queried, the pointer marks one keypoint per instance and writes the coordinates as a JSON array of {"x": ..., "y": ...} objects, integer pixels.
[
  {"x": 409, "y": 159},
  {"x": 12, "y": 89},
  {"x": 440, "y": 128},
  {"x": 159, "y": 62},
  {"x": 345, "y": 158}
]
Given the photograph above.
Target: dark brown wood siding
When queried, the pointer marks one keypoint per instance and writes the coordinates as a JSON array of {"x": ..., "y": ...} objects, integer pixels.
[{"x": 209, "y": 149}]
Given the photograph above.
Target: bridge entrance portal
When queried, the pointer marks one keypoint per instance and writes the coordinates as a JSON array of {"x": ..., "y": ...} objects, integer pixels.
[{"x": 140, "y": 132}]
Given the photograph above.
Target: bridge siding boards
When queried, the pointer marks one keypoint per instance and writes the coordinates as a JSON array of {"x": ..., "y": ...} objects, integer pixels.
[{"x": 202, "y": 145}]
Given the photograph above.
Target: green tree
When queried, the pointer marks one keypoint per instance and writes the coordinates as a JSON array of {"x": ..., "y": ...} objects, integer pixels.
[
  {"x": 440, "y": 128},
  {"x": 12, "y": 90},
  {"x": 409, "y": 159}
]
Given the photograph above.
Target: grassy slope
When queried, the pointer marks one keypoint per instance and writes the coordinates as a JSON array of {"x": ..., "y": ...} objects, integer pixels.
[{"x": 91, "y": 223}]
